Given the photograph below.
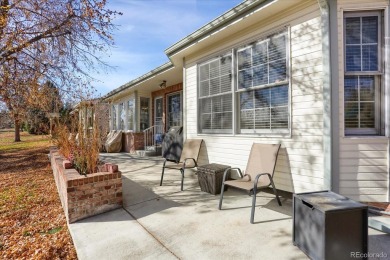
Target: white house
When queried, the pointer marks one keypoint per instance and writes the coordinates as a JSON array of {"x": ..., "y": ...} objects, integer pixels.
[{"x": 309, "y": 74}]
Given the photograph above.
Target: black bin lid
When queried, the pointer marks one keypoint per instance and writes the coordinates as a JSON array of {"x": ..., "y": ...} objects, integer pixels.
[
  {"x": 175, "y": 129},
  {"x": 328, "y": 201}
]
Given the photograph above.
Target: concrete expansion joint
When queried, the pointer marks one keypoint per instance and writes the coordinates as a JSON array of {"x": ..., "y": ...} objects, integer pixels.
[{"x": 150, "y": 233}]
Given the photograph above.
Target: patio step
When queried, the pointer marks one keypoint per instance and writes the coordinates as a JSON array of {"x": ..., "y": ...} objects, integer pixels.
[
  {"x": 380, "y": 223},
  {"x": 149, "y": 152}
]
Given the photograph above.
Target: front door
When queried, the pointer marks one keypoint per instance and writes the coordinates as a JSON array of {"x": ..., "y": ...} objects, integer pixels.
[{"x": 174, "y": 110}]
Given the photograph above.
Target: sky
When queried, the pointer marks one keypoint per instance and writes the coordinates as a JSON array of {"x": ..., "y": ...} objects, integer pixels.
[{"x": 146, "y": 29}]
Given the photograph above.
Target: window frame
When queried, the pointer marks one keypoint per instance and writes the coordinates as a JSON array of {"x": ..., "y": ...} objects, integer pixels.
[
  {"x": 378, "y": 76},
  {"x": 287, "y": 81},
  {"x": 235, "y": 91}
]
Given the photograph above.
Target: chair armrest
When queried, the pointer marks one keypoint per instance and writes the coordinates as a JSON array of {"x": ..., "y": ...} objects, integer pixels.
[
  {"x": 239, "y": 171},
  {"x": 226, "y": 173},
  {"x": 258, "y": 177},
  {"x": 185, "y": 161}
]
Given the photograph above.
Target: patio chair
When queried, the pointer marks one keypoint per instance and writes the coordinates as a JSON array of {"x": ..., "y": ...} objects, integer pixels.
[
  {"x": 259, "y": 173},
  {"x": 188, "y": 159}
]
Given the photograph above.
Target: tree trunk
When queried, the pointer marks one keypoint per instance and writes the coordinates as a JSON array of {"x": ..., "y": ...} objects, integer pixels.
[{"x": 17, "y": 129}]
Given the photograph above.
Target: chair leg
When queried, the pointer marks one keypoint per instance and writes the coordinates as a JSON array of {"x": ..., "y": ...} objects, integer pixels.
[
  {"x": 162, "y": 176},
  {"x": 221, "y": 196},
  {"x": 253, "y": 207},
  {"x": 275, "y": 191},
  {"x": 182, "y": 177}
]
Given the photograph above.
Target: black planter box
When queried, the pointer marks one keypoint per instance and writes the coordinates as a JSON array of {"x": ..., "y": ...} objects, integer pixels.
[{"x": 329, "y": 226}]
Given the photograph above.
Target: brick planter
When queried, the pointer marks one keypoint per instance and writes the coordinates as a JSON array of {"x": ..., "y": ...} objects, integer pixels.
[{"x": 84, "y": 196}]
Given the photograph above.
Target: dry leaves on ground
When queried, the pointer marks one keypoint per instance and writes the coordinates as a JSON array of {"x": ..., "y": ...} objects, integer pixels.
[{"x": 32, "y": 221}]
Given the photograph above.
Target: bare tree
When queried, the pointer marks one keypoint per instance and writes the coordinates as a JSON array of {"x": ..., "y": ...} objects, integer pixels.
[{"x": 56, "y": 40}]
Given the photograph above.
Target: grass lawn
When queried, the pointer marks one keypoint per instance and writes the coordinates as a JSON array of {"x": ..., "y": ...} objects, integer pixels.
[{"x": 32, "y": 221}]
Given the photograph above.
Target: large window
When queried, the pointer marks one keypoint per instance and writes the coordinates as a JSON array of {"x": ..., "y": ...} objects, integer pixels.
[
  {"x": 215, "y": 96},
  {"x": 113, "y": 116},
  {"x": 122, "y": 116},
  {"x": 363, "y": 72},
  {"x": 261, "y": 95},
  {"x": 130, "y": 114}
]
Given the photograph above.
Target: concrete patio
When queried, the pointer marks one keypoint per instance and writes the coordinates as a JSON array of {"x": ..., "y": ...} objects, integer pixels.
[{"x": 166, "y": 223}]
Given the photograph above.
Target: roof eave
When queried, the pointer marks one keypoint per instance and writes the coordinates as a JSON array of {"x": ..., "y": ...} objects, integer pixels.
[{"x": 158, "y": 70}]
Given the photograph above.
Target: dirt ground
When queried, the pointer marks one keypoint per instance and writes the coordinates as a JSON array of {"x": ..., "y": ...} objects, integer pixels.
[{"x": 32, "y": 221}]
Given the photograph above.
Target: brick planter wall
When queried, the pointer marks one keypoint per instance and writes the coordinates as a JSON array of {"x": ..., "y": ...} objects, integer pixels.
[{"x": 85, "y": 196}]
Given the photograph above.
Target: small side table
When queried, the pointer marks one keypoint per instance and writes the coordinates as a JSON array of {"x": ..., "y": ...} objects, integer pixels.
[{"x": 210, "y": 177}]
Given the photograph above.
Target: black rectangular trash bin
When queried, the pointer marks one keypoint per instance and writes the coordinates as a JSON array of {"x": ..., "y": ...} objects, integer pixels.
[
  {"x": 329, "y": 226},
  {"x": 210, "y": 177}
]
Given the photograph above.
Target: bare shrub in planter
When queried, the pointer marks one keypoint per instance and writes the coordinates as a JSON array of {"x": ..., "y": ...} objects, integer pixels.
[{"x": 79, "y": 145}]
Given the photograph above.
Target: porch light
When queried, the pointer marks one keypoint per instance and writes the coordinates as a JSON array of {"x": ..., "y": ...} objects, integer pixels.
[{"x": 163, "y": 84}]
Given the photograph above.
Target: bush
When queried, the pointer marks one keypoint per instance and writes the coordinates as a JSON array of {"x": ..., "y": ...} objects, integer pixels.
[{"x": 80, "y": 147}]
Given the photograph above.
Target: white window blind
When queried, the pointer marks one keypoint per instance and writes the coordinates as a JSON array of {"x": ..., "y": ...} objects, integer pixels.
[{"x": 215, "y": 96}]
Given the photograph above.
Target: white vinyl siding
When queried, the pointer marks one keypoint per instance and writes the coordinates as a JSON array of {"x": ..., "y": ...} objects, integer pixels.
[
  {"x": 300, "y": 163},
  {"x": 363, "y": 161}
]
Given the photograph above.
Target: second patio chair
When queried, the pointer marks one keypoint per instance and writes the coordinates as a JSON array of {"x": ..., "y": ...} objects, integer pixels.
[
  {"x": 258, "y": 174},
  {"x": 188, "y": 159}
]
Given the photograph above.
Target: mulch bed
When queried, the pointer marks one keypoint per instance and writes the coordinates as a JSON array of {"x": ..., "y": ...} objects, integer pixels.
[{"x": 32, "y": 221}]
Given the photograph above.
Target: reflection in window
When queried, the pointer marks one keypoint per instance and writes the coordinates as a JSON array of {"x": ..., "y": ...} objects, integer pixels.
[
  {"x": 130, "y": 114},
  {"x": 113, "y": 113},
  {"x": 122, "y": 116},
  {"x": 265, "y": 108},
  {"x": 174, "y": 110}
]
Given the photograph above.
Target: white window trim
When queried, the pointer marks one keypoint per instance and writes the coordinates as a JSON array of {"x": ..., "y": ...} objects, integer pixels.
[{"x": 236, "y": 131}]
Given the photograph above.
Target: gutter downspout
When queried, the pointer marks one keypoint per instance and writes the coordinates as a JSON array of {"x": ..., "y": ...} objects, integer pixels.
[{"x": 327, "y": 94}]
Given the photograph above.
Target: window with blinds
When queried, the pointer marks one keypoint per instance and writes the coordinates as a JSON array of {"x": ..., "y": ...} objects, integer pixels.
[
  {"x": 362, "y": 43},
  {"x": 263, "y": 86},
  {"x": 215, "y": 96}
]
